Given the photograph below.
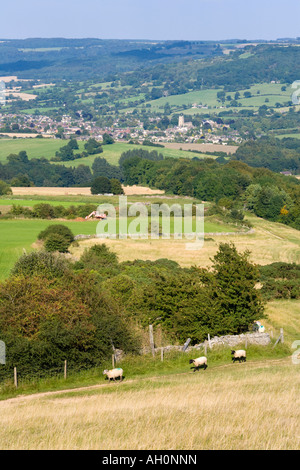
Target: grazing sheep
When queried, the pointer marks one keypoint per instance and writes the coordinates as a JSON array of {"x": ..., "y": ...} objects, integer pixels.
[
  {"x": 114, "y": 373},
  {"x": 199, "y": 362},
  {"x": 239, "y": 355}
]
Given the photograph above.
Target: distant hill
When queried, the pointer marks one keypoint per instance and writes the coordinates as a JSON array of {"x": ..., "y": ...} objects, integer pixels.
[{"x": 82, "y": 58}]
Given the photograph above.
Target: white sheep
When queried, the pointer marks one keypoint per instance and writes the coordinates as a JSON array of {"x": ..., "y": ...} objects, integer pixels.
[
  {"x": 239, "y": 355},
  {"x": 114, "y": 373},
  {"x": 200, "y": 361}
]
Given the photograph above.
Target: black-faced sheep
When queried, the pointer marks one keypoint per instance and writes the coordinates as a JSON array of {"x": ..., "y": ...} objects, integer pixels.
[
  {"x": 199, "y": 362},
  {"x": 114, "y": 374},
  {"x": 239, "y": 355}
]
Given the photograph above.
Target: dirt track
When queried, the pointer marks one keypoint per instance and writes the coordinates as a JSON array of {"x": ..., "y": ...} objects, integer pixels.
[{"x": 248, "y": 364}]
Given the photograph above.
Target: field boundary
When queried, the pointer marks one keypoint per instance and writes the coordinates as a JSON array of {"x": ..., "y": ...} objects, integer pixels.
[{"x": 87, "y": 388}]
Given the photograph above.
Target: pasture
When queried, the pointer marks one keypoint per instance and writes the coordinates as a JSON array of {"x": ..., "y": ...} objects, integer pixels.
[
  {"x": 252, "y": 406},
  {"x": 208, "y": 101},
  {"x": 19, "y": 235},
  {"x": 268, "y": 243},
  {"x": 38, "y": 148}
]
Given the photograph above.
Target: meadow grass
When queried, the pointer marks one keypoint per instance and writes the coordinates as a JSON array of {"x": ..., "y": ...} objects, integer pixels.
[
  {"x": 230, "y": 406},
  {"x": 136, "y": 368},
  {"x": 270, "y": 242},
  {"x": 19, "y": 235}
]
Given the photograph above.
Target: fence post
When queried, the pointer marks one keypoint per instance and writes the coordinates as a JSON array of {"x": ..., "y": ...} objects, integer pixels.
[
  {"x": 113, "y": 360},
  {"x": 185, "y": 346},
  {"x": 281, "y": 335},
  {"x": 205, "y": 347},
  {"x": 15, "y": 377},
  {"x": 162, "y": 354},
  {"x": 280, "y": 338},
  {"x": 151, "y": 339},
  {"x": 209, "y": 343},
  {"x": 65, "y": 369}
]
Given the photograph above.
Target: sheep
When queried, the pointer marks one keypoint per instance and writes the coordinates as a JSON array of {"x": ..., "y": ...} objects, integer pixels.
[
  {"x": 114, "y": 373},
  {"x": 200, "y": 361},
  {"x": 239, "y": 355}
]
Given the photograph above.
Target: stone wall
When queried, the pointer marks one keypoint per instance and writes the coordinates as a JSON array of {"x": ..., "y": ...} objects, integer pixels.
[{"x": 231, "y": 341}]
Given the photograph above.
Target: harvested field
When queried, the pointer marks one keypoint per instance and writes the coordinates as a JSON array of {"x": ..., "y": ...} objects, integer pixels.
[
  {"x": 202, "y": 147},
  {"x": 62, "y": 191},
  {"x": 140, "y": 190},
  {"x": 21, "y": 135},
  {"x": 22, "y": 96}
]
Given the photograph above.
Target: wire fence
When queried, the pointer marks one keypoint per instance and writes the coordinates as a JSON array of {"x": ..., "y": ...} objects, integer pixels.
[{"x": 22, "y": 376}]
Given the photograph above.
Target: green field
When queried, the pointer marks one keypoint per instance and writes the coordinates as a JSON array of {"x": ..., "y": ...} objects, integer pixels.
[
  {"x": 208, "y": 98},
  {"x": 17, "y": 235},
  {"x": 29, "y": 202},
  {"x": 284, "y": 136},
  {"x": 38, "y": 148}
]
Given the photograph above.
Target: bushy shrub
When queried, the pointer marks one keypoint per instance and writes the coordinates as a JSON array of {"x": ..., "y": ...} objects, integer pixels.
[
  {"x": 100, "y": 185},
  {"x": 280, "y": 280},
  {"x": 56, "y": 242},
  {"x": 44, "y": 322},
  {"x": 58, "y": 229},
  {"x": 4, "y": 188},
  {"x": 43, "y": 211},
  {"x": 41, "y": 263},
  {"x": 99, "y": 258}
]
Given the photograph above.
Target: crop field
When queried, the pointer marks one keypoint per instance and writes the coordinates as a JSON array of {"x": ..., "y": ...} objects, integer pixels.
[
  {"x": 202, "y": 147},
  {"x": 63, "y": 191}
]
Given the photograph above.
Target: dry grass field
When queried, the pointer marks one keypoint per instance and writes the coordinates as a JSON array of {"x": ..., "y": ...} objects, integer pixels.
[
  {"x": 255, "y": 405},
  {"x": 270, "y": 242}
]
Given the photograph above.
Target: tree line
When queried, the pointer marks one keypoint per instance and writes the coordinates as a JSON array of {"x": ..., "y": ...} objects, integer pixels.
[{"x": 53, "y": 309}]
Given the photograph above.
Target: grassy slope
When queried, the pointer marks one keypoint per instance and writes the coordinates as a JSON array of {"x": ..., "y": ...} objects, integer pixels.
[
  {"x": 17, "y": 235},
  {"x": 271, "y": 91},
  {"x": 37, "y": 148},
  {"x": 229, "y": 406},
  {"x": 241, "y": 406},
  {"x": 270, "y": 242}
]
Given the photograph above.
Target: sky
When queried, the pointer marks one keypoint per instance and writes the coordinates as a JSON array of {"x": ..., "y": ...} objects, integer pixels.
[{"x": 151, "y": 19}]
